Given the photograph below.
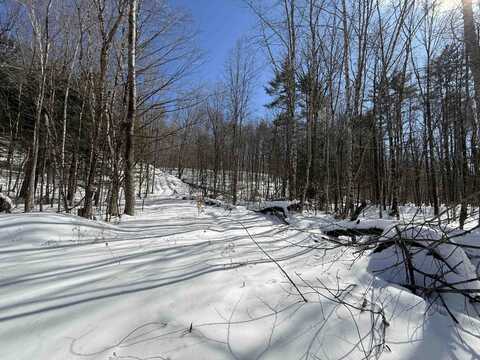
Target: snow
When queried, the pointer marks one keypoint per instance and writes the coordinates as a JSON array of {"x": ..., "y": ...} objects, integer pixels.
[
  {"x": 173, "y": 283},
  {"x": 470, "y": 241},
  {"x": 168, "y": 185},
  {"x": 450, "y": 261}
]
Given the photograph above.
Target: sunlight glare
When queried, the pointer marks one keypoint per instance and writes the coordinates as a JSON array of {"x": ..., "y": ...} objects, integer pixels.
[{"x": 449, "y": 4}]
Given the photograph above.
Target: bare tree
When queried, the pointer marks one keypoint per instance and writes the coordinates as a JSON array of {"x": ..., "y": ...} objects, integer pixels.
[
  {"x": 131, "y": 111},
  {"x": 41, "y": 46},
  {"x": 239, "y": 74}
]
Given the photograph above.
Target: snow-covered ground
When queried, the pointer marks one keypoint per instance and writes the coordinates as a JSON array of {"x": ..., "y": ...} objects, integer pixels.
[{"x": 179, "y": 282}]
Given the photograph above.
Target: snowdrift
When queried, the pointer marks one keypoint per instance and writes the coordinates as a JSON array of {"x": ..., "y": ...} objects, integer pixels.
[{"x": 426, "y": 261}]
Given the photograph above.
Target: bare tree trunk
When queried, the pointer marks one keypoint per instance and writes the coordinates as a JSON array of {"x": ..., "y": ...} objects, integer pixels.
[
  {"x": 131, "y": 112},
  {"x": 63, "y": 176},
  {"x": 100, "y": 106},
  {"x": 348, "y": 206},
  {"x": 43, "y": 43},
  {"x": 472, "y": 49}
]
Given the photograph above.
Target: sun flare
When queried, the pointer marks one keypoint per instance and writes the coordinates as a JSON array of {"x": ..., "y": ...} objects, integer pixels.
[{"x": 449, "y": 4}]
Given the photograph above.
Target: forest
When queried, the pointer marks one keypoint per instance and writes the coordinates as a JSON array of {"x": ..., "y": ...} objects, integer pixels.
[
  {"x": 369, "y": 103},
  {"x": 354, "y": 179}
]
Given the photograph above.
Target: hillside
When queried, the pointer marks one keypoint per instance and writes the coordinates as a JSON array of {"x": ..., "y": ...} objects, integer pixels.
[{"x": 176, "y": 283}]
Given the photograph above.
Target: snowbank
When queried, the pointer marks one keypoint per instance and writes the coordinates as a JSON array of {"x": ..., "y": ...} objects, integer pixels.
[
  {"x": 38, "y": 229},
  {"x": 437, "y": 262}
]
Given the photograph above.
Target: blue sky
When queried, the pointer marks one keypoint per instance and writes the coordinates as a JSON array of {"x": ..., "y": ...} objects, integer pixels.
[{"x": 221, "y": 23}]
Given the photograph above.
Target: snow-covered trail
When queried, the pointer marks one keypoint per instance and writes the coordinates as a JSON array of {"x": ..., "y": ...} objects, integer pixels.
[
  {"x": 174, "y": 284},
  {"x": 65, "y": 277}
]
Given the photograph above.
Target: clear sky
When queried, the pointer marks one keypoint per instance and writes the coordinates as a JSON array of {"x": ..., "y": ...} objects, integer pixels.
[{"x": 221, "y": 23}]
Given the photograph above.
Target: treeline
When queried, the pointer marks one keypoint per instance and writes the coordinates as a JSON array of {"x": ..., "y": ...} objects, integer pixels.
[{"x": 372, "y": 102}]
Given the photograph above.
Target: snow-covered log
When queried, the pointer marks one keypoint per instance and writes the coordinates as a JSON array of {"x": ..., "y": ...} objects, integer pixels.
[{"x": 424, "y": 260}]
